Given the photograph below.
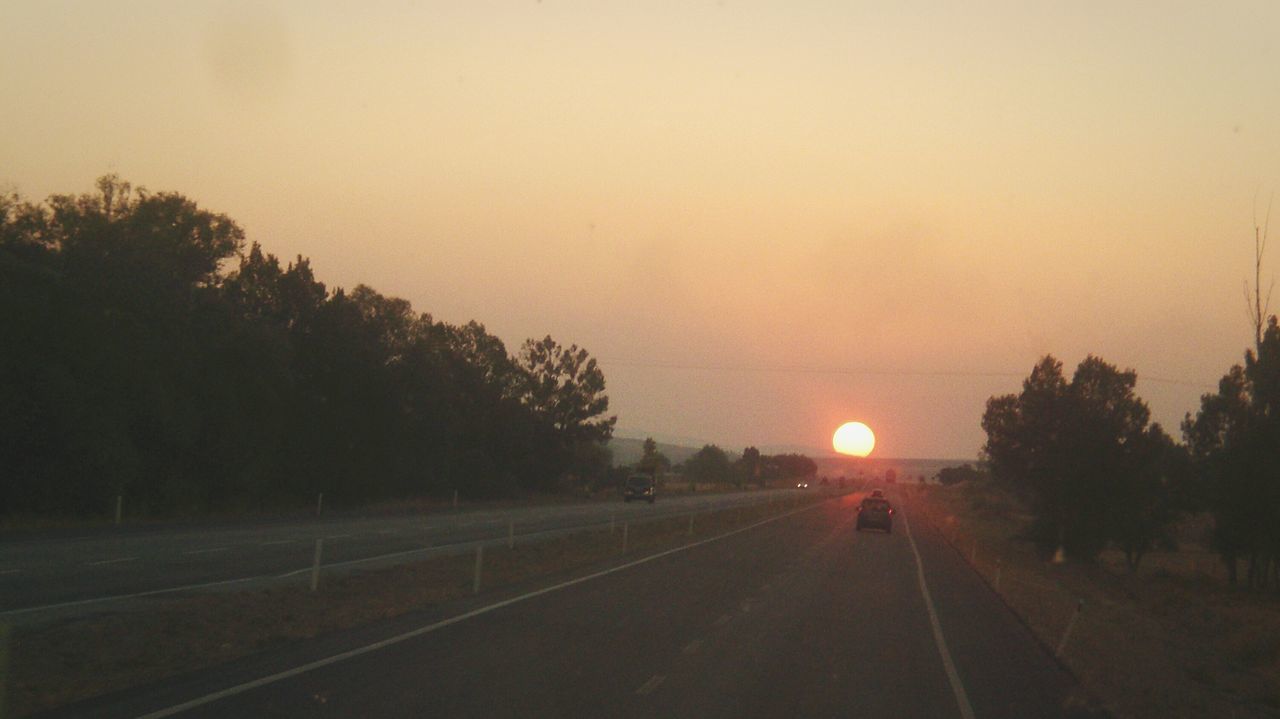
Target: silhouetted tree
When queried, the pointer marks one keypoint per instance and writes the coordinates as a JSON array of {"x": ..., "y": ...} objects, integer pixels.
[
  {"x": 1234, "y": 440},
  {"x": 136, "y": 361},
  {"x": 563, "y": 388},
  {"x": 709, "y": 464},
  {"x": 1082, "y": 455},
  {"x": 652, "y": 461}
]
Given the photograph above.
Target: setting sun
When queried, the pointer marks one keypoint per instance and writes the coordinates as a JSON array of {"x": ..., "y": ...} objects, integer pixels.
[{"x": 854, "y": 438}]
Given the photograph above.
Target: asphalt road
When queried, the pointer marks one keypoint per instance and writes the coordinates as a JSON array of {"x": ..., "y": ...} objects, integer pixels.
[
  {"x": 797, "y": 617},
  {"x": 43, "y": 578}
]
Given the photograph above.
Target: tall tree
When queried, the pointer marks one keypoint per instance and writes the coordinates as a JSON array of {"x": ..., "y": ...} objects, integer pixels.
[
  {"x": 651, "y": 460},
  {"x": 1074, "y": 451},
  {"x": 564, "y": 389},
  {"x": 1234, "y": 440},
  {"x": 709, "y": 464}
]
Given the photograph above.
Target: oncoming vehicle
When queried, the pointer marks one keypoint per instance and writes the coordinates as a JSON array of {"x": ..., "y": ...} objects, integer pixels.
[
  {"x": 802, "y": 485},
  {"x": 875, "y": 512},
  {"x": 640, "y": 486}
]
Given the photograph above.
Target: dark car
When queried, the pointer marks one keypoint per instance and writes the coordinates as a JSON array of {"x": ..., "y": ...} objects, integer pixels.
[
  {"x": 875, "y": 512},
  {"x": 640, "y": 486},
  {"x": 877, "y": 493}
]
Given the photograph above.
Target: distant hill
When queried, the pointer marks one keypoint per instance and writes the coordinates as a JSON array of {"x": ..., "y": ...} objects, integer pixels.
[{"x": 628, "y": 450}]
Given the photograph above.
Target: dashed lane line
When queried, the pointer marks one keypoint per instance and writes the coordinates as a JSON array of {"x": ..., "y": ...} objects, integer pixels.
[
  {"x": 118, "y": 560},
  {"x": 654, "y": 682}
]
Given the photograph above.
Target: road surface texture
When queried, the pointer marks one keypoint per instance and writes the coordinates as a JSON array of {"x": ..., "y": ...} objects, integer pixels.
[
  {"x": 799, "y": 616},
  {"x": 49, "y": 578}
]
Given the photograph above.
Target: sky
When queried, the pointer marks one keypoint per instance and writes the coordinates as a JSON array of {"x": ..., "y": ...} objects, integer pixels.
[{"x": 763, "y": 218}]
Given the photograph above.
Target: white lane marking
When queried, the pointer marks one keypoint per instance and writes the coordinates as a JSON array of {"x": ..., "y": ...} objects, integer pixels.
[
  {"x": 209, "y": 550},
  {"x": 9, "y": 571},
  {"x": 397, "y": 639},
  {"x": 654, "y": 682},
  {"x": 118, "y": 597},
  {"x": 112, "y": 561},
  {"x": 277, "y": 543},
  {"x": 957, "y": 687},
  {"x": 692, "y": 646},
  {"x": 723, "y": 620}
]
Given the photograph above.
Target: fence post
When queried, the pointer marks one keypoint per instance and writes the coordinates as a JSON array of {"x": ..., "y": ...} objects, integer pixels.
[
  {"x": 625, "y": 525},
  {"x": 690, "y": 525},
  {"x": 613, "y": 522},
  {"x": 119, "y": 507},
  {"x": 475, "y": 586},
  {"x": 315, "y": 564},
  {"x": 319, "y": 503},
  {"x": 1066, "y": 633},
  {"x": 511, "y": 534}
]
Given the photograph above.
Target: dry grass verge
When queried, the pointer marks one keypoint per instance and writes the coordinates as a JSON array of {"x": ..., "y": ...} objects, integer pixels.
[
  {"x": 1169, "y": 641},
  {"x": 57, "y": 664}
]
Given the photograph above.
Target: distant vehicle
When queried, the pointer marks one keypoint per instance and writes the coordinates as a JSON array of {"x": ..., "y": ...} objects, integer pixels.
[
  {"x": 875, "y": 512},
  {"x": 640, "y": 486},
  {"x": 802, "y": 485},
  {"x": 877, "y": 493}
]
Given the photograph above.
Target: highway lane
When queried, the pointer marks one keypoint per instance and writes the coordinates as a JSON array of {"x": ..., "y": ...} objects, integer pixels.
[
  {"x": 800, "y": 616},
  {"x": 68, "y": 576}
]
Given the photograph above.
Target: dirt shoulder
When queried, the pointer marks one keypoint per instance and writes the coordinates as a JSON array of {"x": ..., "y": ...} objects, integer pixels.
[{"x": 1171, "y": 640}]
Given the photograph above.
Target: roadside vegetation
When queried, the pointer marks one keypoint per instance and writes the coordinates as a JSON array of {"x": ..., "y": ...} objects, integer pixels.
[
  {"x": 1151, "y": 565},
  {"x": 151, "y": 355},
  {"x": 1171, "y": 639}
]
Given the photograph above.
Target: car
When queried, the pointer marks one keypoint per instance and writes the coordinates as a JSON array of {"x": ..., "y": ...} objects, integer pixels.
[
  {"x": 802, "y": 485},
  {"x": 877, "y": 493},
  {"x": 875, "y": 512},
  {"x": 640, "y": 486}
]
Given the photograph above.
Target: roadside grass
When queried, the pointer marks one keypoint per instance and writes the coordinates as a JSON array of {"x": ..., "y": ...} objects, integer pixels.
[
  {"x": 59, "y": 663},
  {"x": 1171, "y": 640}
]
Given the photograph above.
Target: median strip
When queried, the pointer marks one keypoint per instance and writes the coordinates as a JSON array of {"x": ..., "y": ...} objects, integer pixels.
[{"x": 77, "y": 659}]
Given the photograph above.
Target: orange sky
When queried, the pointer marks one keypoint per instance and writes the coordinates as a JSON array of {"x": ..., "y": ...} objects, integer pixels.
[{"x": 717, "y": 199}]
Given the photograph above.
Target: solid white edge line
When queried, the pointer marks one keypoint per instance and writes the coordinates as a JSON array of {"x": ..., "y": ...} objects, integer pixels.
[
  {"x": 358, "y": 651},
  {"x": 957, "y": 687}
]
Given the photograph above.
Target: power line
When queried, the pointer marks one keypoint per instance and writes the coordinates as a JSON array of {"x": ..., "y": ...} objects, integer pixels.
[{"x": 848, "y": 371}]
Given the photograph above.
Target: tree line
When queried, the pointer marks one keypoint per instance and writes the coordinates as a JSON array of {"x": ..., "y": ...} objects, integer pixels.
[
  {"x": 712, "y": 465},
  {"x": 148, "y": 353},
  {"x": 1096, "y": 472}
]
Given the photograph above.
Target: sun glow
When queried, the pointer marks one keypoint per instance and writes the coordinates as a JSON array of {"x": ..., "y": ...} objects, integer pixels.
[{"x": 854, "y": 438}]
